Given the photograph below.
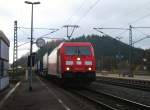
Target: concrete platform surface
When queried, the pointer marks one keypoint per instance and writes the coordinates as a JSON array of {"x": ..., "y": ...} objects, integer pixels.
[
  {"x": 40, "y": 98},
  {"x": 136, "y": 77}
]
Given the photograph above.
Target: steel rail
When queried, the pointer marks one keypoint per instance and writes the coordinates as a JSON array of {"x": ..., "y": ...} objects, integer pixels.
[
  {"x": 91, "y": 99},
  {"x": 125, "y": 83},
  {"x": 71, "y": 92},
  {"x": 109, "y": 101},
  {"x": 136, "y": 104}
]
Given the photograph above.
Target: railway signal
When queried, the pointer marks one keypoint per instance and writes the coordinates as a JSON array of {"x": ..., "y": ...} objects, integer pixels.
[{"x": 40, "y": 42}]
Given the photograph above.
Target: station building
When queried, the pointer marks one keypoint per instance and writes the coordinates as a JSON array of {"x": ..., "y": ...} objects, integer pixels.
[{"x": 4, "y": 61}]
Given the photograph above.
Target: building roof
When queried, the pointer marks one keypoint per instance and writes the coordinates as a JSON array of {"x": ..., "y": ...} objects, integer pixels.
[{"x": 4, "y": 38}]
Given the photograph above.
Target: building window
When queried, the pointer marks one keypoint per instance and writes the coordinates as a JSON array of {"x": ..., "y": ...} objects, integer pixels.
[{"x": 1, "y": 68}]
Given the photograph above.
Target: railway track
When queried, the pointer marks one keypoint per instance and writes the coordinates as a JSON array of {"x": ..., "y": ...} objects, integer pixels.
[
  {"x": 130, "y": 83},
  {"x": 109, "y": 101},
  {"x": 106, "y": 101}
]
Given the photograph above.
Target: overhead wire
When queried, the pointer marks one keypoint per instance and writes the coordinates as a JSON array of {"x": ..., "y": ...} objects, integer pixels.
[
  {"x": 37, "y": 28},
  {"x": 135, "y": 10},
  {"x": 25, "y": 33},
  {"x": 141, "y": 7},
  {"x": 119, "y": 34},
  {"x": 140, "y": 31},
  {"x": 89, "y": 9},
  {"x": 48, "y": 33},
  {"x": 146, "y": 36},
  {"x": 53, "y": 30},
  {"x": 86, "y": 13},
  {"x": 23, "y": 44},
  {"x": 78, "y": 9},
  {"x": 71, "y": 17},
  {"x": 141, "y": 39},
  {"x": 137, "y": 20}
]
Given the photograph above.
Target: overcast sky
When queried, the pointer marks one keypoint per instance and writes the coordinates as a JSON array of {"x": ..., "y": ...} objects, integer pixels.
[{"x": 85, "y": 13}]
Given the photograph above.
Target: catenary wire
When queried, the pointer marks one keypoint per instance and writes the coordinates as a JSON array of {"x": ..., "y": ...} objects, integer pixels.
[
  {"x": 78, "y": 9},
  {"x": 89, "y": 9}
]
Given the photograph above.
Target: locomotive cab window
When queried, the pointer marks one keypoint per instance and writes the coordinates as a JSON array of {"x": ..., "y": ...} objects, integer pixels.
[
  {"x": 70, "y": 50},
  {"x": 77, "y": 50},
  {"x": 84, "y": 51}
]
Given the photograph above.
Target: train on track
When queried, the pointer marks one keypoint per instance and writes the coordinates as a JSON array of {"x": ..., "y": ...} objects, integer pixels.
[{"x": 69, "y": 63}]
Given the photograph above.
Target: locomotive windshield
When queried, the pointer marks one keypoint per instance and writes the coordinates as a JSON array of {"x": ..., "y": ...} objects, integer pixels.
[{"x": 77, "y": 50}]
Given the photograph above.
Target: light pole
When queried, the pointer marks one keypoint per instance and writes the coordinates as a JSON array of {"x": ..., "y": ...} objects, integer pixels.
[{"x": 30, "y": 70}]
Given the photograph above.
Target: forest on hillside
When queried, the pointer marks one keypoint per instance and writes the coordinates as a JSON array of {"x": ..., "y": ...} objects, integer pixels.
[{"x": 109, "y": 52}]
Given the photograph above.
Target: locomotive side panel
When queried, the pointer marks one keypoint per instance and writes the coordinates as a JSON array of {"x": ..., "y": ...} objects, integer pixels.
[
  {"x": 45, "y": 64},
  {"x": 45, "y": 61},
  {"x": 59, "y": 61},
  {"x": 52, "y": 63},
  {"x": 39, "y": 67}
]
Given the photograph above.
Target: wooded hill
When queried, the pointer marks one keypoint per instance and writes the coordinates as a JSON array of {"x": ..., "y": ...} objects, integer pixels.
[{"x": 108, "y": 51}]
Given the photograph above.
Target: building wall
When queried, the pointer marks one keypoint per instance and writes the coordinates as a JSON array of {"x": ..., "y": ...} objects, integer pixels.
[
  {"x": 4, "y": 82},
  {"x": 3, "y": 68},
  {"x": 4, "y": 61},
  {"x": 4, "y": 58},
  {"x": 4, "y": 51}
]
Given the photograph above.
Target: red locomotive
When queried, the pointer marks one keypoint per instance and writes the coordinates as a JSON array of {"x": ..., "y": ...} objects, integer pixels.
[{"x": 73, "y": 62}]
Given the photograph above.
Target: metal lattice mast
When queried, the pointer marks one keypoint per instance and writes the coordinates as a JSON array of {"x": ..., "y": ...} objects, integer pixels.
[
  {"x": 15, "y": 49},
  {"x": 130, "y": 51}
]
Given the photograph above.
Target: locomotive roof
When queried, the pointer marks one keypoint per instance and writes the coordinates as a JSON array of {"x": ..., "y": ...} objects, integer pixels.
[{"x": 75, "y": 44}]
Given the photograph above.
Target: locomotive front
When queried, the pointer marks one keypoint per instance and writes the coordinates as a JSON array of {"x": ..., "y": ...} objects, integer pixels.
[{"x": 78, "y": 61}]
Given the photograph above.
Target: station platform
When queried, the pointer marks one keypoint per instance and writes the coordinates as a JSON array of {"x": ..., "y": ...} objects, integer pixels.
[
  {"x": 40, "y": 98},
  {"x": 136, "y": 77}
]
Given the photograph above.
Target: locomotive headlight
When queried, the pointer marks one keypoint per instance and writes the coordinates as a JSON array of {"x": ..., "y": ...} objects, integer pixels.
[
  {"x": 88, "y": 62},
  {"x": 89, "y": 69},
  {"x": 78, "y": 58},
  {"x": 69, "y": 62},
  {"x": 67, "y": 68}
]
